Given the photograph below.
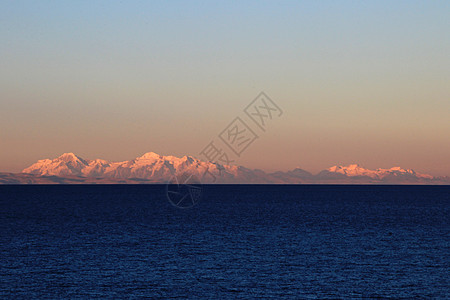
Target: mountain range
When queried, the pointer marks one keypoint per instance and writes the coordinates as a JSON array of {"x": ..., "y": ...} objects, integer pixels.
[{"x": 154, "y": 168}]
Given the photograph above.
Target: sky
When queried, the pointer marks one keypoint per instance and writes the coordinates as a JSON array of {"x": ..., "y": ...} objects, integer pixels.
[{"x": 358, "y": 81}]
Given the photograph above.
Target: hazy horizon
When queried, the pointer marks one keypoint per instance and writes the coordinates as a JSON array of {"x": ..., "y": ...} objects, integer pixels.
[
  {"x": 358, "y": 82},
  {"x": 169, "y": 157}
]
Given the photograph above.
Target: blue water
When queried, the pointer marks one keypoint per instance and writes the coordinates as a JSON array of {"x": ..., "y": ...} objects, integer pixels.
[{"x": 238, "y": 242}]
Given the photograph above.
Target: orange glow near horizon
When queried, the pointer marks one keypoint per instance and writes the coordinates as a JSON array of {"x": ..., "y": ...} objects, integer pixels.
[{"x": 357, "y": 84}]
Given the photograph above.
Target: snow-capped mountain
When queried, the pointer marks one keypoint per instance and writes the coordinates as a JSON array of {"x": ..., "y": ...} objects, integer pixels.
[
  {"x": 66, "y": 164},
  {"x": 357, "y": 173},
  {"x": 149, "y": 166},
  {"x": 155, "y": 168}
]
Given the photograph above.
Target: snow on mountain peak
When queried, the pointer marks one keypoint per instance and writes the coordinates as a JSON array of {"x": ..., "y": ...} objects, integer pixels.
[
  {"x": 66, "y": 164},
  {"x": 69, "y": 156},
  {"x": 189, "y": 159},
  {"x": 150, "y": 155},
  {"x": 353, "y": 166},
  {"x": 156, "y": 168},
  {"x": 352, "y": 170},
  {"x": 399, "y": 169},
  {"x": 356, "y": 170}
]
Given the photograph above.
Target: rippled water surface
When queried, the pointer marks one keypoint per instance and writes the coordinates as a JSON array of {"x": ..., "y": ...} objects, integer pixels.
[{"x": 237, "y": 242}]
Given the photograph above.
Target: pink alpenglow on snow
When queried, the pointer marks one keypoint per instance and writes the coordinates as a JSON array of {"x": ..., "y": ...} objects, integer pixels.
[{"x": 154, "y": 168}]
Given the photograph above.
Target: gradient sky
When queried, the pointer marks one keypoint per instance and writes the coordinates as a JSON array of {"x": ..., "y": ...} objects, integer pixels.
[{"x": 359, "y": 81}]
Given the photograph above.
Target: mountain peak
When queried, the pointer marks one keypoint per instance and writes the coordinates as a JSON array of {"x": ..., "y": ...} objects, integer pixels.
[
  {"x": 69, "y": 157},
  {"x": 188, "y": 158},
  {"x": 150, "y": 155},
  {"x": 157, "y": 168},
  {"x": 348, "y": 167},
  {"x": 353, "y": 166},
  {"x": 67, "y": 154}
]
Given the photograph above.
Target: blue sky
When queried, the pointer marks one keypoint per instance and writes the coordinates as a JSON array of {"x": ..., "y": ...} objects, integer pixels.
[{"x": 359, "y": 81}]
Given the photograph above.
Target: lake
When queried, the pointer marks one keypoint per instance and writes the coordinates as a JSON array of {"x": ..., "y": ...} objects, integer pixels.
[{"x": 238, "y": 241}]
